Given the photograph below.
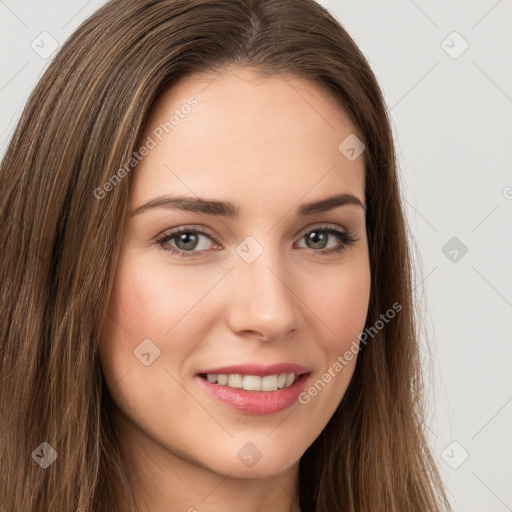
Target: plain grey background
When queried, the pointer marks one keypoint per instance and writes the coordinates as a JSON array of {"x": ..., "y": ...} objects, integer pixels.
[{"x": 445, "y": 70}]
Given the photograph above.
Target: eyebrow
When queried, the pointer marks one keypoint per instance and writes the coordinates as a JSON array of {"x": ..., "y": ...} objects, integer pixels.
[{"x": 227, "y": 209}]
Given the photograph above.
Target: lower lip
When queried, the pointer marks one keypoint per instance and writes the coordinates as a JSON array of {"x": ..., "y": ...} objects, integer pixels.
[{"x": 256, "y": 402}]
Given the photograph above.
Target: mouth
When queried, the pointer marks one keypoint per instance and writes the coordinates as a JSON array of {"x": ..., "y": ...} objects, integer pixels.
[{"x": 253, "y": 389}]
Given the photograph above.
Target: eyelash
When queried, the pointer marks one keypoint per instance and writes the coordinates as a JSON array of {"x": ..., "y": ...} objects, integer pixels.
[{"x": 346, "y": 237}]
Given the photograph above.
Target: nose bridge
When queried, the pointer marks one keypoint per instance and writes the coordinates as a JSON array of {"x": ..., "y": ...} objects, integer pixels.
[{"x": 262, "y": 299}]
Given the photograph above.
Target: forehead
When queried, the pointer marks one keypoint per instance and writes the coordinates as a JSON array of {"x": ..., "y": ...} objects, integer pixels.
[{"x": 238, "y": 134}]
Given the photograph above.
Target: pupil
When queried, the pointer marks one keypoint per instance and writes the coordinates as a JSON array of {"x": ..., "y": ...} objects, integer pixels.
[
  {"x": 318, "y": 238},
  {"x": 187, "y": 241}
]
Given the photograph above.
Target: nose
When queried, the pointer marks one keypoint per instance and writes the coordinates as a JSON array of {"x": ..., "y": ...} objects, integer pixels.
[{"x": 262, "y": 301}]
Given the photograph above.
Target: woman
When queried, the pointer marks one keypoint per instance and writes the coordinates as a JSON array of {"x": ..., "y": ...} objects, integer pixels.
[{"x": 206, "y": 286}]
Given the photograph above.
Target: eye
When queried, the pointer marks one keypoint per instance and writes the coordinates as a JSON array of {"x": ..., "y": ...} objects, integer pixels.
[
  {"x": 318, "y": 239},
  {"x": 186, "y": 240}
]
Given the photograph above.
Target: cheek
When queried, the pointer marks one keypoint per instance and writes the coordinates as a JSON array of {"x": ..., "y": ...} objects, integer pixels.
[
  {"x": 139, "y": 309},
  {"x": 150, "y": 299},
  {"x": 340, "y": 299}
]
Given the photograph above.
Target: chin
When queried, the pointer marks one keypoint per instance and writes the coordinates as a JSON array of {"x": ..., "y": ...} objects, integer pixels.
[{"x": 253, "y": 459}]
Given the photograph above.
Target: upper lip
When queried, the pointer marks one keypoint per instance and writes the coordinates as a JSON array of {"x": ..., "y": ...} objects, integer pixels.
[{"x": 258, "y": 369}]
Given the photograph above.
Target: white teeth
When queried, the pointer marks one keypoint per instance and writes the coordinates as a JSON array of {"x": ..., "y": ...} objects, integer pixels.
[
  {"x": 235, "y": 380},
  {"x": 253, "y": 382},
  {"x": 269, "y": 383}
]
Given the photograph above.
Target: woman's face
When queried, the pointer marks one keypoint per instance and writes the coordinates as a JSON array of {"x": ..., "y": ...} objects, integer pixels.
[{"x": 250, "y": 291}]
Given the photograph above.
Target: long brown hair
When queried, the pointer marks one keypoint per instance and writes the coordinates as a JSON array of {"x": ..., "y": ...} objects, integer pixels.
[{"x": 60, "y": 245}]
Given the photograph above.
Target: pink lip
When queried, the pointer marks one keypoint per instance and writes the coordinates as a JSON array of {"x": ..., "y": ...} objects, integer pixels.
[
  {"x": 258, "y": 369},
  {"x": 255, "y": 402}
]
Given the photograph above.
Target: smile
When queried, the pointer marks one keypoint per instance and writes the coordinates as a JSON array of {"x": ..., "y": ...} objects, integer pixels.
[{"x": 275, "y": 389}]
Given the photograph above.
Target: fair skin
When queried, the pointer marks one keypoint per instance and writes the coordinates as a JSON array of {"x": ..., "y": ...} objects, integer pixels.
[{"x": 268, "y": 145}]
